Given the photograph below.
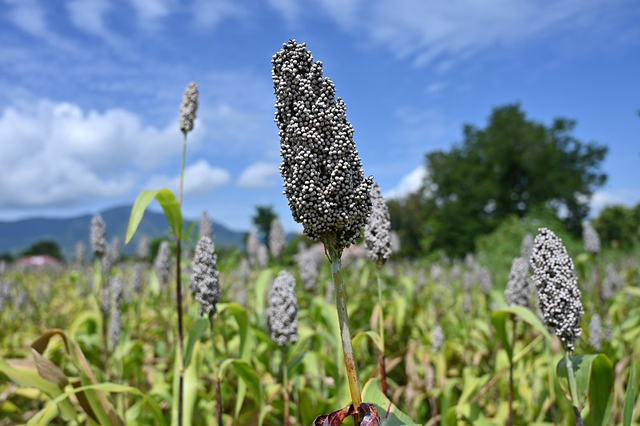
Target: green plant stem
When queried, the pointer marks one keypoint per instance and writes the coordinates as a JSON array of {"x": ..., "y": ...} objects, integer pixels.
[
  {"x": 383, "y": 372},
  {"x": 216, "y": 379},
  {"x": 184, "y": 154},
  {"x": 511, "y": 362},
  {"x": 180, "y": 338},
  {"x": 573, "y": 389},
  {"x": 285, "y": 383},
  {"x": 345, "y": 333}
]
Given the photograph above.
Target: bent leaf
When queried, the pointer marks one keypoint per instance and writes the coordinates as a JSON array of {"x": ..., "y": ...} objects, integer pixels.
[
  {"x": 389, "y": 413},
  {"x": 169, "y": 203},
  {"x": 499, "y": 320}
]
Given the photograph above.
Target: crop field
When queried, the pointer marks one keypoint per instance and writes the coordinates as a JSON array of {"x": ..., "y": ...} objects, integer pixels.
[{"x": 460, "y": 377}]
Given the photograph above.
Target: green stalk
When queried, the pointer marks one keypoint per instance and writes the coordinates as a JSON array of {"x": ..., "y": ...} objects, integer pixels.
[
  {"x": 383, "y": 371},
  {"x": 216, "y": 379},
  {"x": 573, "y": 388},
  {"x": 285, "y": 384},
  {"x": 179, "y": 291},
  {"x": 345, "y": 333}
]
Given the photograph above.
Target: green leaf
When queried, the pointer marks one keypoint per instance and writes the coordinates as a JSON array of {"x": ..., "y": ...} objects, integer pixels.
[
  {"x": 372, "y": 335},
  {"x": 372, "y": 394},
  {"x": 629, "y": 397},
  {"x": 197, "y": 330},
  {"x": 499, "y": 320},
  {"x": 594, "y": 381},
  {"x": 30, "y": 378},
  {"x": 169, "y": 203}
]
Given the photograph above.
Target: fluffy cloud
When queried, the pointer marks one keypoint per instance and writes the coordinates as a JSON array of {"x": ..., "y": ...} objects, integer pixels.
[
  {"x": 259, "y": 175},
  {"x": 200, "y": 179},
  {"x": 208, "y": 14},
  {"x": 89, "y": 16},
  {"x": 432, "y": 31},
  {"x": 602, "y": 199},
  {"x": 151, "y": 10},
  {"x": 408, "y": 184},
  {"x": 54, "y": 154}
]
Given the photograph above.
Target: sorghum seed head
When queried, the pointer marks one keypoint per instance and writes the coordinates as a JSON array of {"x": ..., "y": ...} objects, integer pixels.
[
  {"x": 204, "y": 276},
  {"x": 526, "y": 247},
  {"x": 282, "y": 313},
  {"x": 143, "y": 248},
  {"x": 377, "y": 232},
  {"x": 558, "y": 294},
  {"x": 189, "y": 108},
  {"x": 437, "y": 339},
  {"x": 206, "y": 227},
  {"x": 263, "y": 256},
  {"x": 162, "y": 263},
  {"x": 518, "y": 288},
  {"x": 612, "y": 283},
  {"x": 276, "y": 238},
  {"x": 323, "y": 178},
  {"x": 595, "y": 332},
  {"x": 253, "y": 246},
  {"x": 98, "y": 236},
  {"x": 308, "y": 267},
  {"x": 590, "y": 238},
  {"x": 81, "y": 251}
]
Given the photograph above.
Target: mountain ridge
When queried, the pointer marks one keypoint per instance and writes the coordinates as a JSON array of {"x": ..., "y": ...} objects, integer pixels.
[{"x": 16, "y": 236}]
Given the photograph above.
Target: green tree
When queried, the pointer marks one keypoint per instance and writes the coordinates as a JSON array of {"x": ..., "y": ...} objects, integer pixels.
[
  {"x": 47, "y": 247},
  {"x": 262, "y": 220},
  {"x": 508, "y": 168},
  {"x": 618, "y": 226}
]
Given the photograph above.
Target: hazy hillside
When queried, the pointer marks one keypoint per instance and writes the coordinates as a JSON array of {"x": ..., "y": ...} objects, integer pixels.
[{"x": 18, "y": 235}]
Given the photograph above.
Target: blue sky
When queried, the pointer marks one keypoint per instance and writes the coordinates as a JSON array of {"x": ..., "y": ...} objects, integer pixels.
[{"x": 90, "y": 91}]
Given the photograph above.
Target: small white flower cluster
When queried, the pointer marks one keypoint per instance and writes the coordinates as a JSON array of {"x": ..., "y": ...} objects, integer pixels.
[
  {"x": 377, "y": 233},
  {"x": 204, "y": 276},
  {"x": 526, "y": 247},
  {"x": 206, "y": 227},
  {"x": 518, "y": 287},
  {"x": 98, "y": 236},
  {"x": 282, "y": 313},
  {"x": 323, "y": 177},
  {"x": 590, "y": 238},
  {"x": 81, "y": 252},
  {"x": 253, "y": 247},
  {"x": 276, "y": 238},
  {"x": 262, "y": 256},
  {"x": 595, "y": 332},
  {"x": 189, "y": 108},
  {"x": 116, "y": 288},
  {"x": 558, "y": 293},
  {"x": 162, "y": 264},
  {"x": 483, "y": 277},
  {"x": 112, "y": 256},
  {"x": 437, "y": 339},
  {"x": 143, "y": 248},
  {"x": 308, "y": 265},
  {"x": 612, "y": 283}
]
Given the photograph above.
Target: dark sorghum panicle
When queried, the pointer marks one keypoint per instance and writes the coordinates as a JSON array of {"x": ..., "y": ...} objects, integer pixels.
[
  {"x": 377, "y": 232},
  {"x": 189, "y": 108},
  {"x": 282, "y": 313},
  {"x": 558, "y": 293},
  {"x": 323, "y": 178},
  {"x": 204, "y": 276},
  {"x": 518, "y": 288},
  {"x": 98, "y": 236}
]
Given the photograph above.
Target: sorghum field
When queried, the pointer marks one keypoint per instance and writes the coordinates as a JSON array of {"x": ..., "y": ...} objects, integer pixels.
[{"x": 530, "y": 330}]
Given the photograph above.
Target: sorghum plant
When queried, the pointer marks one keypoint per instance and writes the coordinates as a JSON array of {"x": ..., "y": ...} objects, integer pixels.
[
  {"x": 282, "y": 323},
  {"x": 377, "y": 241},
  {"x": 205, "y": 227},
  {"x": 206, "y": 290},
  {"x": 323, "y": 177},
  {"x": 276, "y": 238},
  {"x": 558, "y": 297}
]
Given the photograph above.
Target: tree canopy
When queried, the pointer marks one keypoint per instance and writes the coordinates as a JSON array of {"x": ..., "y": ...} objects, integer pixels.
[
  {"x": 510, "y": 167},
  {"x": 262, "y": 220},
  {"x": 48, "y": 247}
]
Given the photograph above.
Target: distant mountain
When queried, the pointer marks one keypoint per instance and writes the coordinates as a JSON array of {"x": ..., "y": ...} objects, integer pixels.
[{"x": 19, "y": 235}]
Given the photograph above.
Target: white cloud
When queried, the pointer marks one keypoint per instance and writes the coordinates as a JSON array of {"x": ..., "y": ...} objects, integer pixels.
[
  {"x": 408, "y": 184},
  {"x": 199, "y": 179},
  {"x": 56, "y": 153},
  {"x": 30, "y": 17},
  {"x": 442, "y": 32},
  {"x": 602, "y": 199},
  {"x": 208, "y": 13},
  {"x": 149, "y": 11},
  {"x": 287, "y": 8},
  {"x": 259, "y": 175},
  {"x": 89, "y": 16}
]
